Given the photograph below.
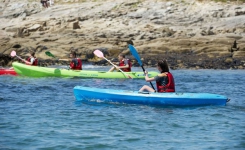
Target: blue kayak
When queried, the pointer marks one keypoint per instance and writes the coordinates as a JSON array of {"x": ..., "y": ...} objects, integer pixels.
[{"x": 146, "y": 98}]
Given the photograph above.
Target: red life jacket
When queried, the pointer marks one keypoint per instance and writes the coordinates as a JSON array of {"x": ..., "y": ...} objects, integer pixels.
[
  {"x": 78, "y": 66},
  {"x": 34, "y": 63},
  {"x": 170, "y": 87},
  {"x": 121, "y": 63}
]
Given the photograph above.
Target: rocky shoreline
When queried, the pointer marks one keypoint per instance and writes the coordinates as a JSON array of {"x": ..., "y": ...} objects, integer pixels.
[{"x": 190, "y": 34}]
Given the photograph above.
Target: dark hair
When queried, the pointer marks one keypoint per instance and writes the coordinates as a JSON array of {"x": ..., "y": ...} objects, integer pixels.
[
  {"x": 163, "y": 65},
  {"x": 32, "y": 53},
  {"x": 130, "y": 42},
  {"x": 74, "y": 54},
  {"x": 122, "y": 55}
]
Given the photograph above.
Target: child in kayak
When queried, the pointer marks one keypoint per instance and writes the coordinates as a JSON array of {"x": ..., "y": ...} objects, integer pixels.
[
  {"x": 124, "y": 64},
  {"x": 31, "y": 60},
  {"x": 76, "y": 63},
  {"x": 164, "y": 80}
]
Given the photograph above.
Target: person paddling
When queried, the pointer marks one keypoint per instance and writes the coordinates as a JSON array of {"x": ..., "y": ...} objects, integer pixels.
[
  {"x": 164, "y": 80},
  {"x": 76, "y": 63},
  {"x": 31, "y": 60},
  {"x": 124, "y": 64}
]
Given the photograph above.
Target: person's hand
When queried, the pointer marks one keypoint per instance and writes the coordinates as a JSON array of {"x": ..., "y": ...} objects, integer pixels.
[{"x": 146, "y": 74}]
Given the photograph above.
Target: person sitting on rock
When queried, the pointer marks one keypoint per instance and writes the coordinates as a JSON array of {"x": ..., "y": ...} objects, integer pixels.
[
  {"x": 164, "y": 80},
  {"x": 124, "y": 64},
  {"x": 44, "y": 3},
  {"x": 76, "y": 63}
]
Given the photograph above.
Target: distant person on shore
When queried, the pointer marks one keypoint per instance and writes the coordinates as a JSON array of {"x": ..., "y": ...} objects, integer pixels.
[
  {"x": 51, "y": 2},
  {"x": 124, "y": 64},
  {"x": 164, "y": 80},
  {"x": 44, "y": 3},
  {"x": 76, "y": 63},
  {"x": 130, "y": 42}
]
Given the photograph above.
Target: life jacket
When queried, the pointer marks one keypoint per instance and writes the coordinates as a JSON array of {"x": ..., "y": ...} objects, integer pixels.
[
  {"x": 121, "y": 63},
  {"x": 34, "y": 63},
  {"x": 170, "y": 87},
  {"x": 78, "y": 66}
]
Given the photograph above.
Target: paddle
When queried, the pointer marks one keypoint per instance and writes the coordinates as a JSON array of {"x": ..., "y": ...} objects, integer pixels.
[
  {"x": 98, "y": 53},
  {"x": 137, "y": 57},
  {"x": 13, "y": 54},
  {"x": 49, "y": 54}
]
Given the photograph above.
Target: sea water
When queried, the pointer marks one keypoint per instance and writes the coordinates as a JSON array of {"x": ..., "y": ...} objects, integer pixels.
[{"x": 42, "y": 113}]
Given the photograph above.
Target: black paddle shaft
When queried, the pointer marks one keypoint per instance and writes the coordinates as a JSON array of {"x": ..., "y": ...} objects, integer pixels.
[{"x": 150, "y": 82}]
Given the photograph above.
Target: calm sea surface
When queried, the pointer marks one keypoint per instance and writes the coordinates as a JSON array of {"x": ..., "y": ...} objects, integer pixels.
[{"x": 42, "y": 113}]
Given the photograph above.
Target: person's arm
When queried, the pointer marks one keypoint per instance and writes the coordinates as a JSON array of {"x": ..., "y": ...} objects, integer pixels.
[
  {"x": 147, "y": 79},
  {"x": 27, "y": 62},
  {"x": 64, "y": 59},
  {"x": 126, "y": 65}
]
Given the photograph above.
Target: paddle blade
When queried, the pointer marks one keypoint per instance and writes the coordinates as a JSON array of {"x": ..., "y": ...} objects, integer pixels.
[
  {"x": 98, "y": 53},
  {"x": 13, "y": 53},
  {"x": 129, "y": 76},
  {"x": 135, "y": 54},
  {"x": 49, "y": 54}
]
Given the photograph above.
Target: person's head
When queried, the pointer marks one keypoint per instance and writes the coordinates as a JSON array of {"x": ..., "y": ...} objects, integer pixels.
[
  {"x": 130, "y": 42},
  {"x": 73, "y": 54},
  {"x": 32, "y": 53},
  {"x": 121, "y": 57},
  {"x": 163, "y": 66}
]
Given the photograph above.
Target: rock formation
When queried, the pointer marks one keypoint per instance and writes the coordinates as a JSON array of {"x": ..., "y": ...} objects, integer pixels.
[{"x": 188, "y": 33}]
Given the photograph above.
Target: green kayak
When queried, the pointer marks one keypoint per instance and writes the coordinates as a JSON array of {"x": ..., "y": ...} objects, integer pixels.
[{"x": 36, "y": 71}]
